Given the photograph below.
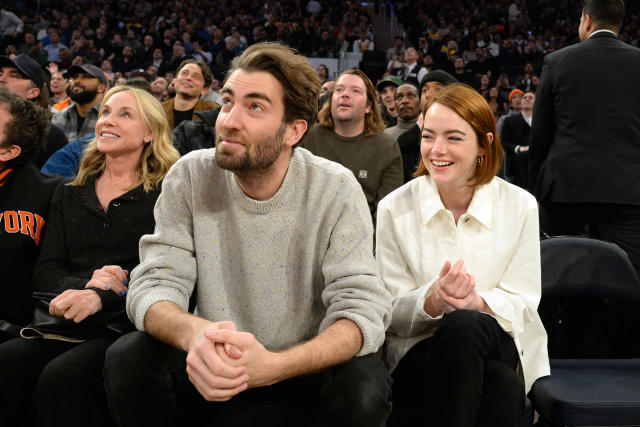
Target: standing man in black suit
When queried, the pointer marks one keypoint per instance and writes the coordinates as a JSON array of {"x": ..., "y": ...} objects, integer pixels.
[
  {"x": 584, "y": 155},
  {"x": 515, "y": 140}
]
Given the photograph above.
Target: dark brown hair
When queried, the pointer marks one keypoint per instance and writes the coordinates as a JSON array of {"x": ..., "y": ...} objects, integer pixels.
[
  {"x": 300, "y": 82},
  {"x": 207, "y": 75},
  {"x": 28, "y": 127},
  {"x": 605, "y": 13},
  {"x": 43, "y": 97}
]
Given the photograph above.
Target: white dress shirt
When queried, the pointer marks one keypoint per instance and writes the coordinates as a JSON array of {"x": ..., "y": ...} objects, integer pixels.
[{"x": 498, "y": 239}]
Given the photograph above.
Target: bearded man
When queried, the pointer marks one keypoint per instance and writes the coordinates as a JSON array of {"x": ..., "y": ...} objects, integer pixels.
[
  {"x": 87, "y": 86},
  {"x": 289, "y": 309}
]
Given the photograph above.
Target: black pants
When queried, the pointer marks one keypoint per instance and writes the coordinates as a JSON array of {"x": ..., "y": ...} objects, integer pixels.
[
  {"x": 4, "y": 336},
  {"x": 619, "y": 224},
  {"x": 147, "y": 385},
  {"x": 465, "y": 375},
  {"x": 53, "y": 383}
]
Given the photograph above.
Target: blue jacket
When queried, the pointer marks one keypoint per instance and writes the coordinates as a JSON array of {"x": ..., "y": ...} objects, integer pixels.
[{"x": 66, "y": 161}]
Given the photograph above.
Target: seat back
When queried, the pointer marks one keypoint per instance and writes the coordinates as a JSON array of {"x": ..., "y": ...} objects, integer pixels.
[{"x": 590, "y": 303}]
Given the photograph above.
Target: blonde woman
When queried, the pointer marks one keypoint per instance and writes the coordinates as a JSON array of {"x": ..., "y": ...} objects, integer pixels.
[{"x": 91, "y": 244}]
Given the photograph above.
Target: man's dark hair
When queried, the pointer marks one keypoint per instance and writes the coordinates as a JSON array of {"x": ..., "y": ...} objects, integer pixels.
[
  {"x": 410, "y": 83},
  {"x": 43, "y": 98},
  {"x": 605, "y": 13},
  {"x": 140, "y": 84},
  {"x": 28, "y": 127},
  {"x": 300, "y": 82},
  {"x": 207, "y": 75}
]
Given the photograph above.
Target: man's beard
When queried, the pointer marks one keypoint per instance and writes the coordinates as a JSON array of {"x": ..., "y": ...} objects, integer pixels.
[
  {"x": 267, "y": 150},
  {"x": 84, "y": 97}
]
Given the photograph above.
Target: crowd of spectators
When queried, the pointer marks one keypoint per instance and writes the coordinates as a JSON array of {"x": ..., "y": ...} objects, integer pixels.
[
  {"x": 494, "y": 46},
  {"x": 122, "y": 36},
  {"x": 497, "y": 48}
]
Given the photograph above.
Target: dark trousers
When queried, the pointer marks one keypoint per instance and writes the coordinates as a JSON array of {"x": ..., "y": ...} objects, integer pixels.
[
  {"x": 4, "y": 336},
  {"x": 464, "y": 375},
  {"x": 53, "y": 383},
  {"x": 147, "y": 384},
  {"x": 619, "y": 224}
]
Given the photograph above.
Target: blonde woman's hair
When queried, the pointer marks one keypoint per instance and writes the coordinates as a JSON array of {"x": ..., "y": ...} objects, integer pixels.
[{"x": 157, "y": 156}]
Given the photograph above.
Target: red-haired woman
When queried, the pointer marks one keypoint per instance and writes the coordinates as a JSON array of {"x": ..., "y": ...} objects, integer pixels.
[{"x": 459, "y": 251}]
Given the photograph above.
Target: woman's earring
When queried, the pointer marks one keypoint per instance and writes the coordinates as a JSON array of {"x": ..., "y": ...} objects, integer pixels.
[{"x": 480, "y": 160}]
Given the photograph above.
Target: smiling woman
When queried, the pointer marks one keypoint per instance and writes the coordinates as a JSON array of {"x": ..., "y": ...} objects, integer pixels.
[
  {"x": 458, "y": 250},
  {"x": 89, "y": 249}
]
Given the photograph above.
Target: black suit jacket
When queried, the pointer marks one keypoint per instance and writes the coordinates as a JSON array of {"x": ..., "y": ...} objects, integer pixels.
[
  {"x": 409, "y": 143},
  {"x": 515, "y": 131},
  {"x": 585, "y": 136}
]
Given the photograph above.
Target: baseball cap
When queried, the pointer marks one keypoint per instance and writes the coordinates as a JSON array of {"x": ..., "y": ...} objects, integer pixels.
[
  {"x": 141, "y": 73},
  {"x": 439, "y": 76},
  {"x": 389, "y": 81},
  {"x": 92, "y": 70},
  {"x": 27, "y": 67}
]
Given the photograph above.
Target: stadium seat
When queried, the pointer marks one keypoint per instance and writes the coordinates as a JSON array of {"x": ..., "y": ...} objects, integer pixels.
[{"x": 591, "y": 310}]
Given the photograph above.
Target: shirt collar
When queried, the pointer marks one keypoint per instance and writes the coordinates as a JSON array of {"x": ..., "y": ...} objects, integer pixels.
[
  {"x": 480, "y": 208},
  {"x": 603, "y": 31}
]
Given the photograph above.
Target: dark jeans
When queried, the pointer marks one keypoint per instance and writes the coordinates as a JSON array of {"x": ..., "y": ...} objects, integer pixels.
[
  {"x": 619, "y": 224},
  {"x": 465, "y": 375},
  {"x": 53, "y": 383},
  {"x": 147, "y": 384}
]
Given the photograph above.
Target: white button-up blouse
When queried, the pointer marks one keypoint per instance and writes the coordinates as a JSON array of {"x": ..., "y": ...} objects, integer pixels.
[{"x": 498, "y": 239}]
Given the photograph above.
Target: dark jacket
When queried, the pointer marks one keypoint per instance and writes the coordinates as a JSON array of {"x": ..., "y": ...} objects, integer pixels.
[
  {"x": 81, "y": 238},
  {"x": 56, "y": 139},
  {"x": 25, "y": 196},
  {"x": 196, "y": 134},
  {"x": 200, "y": 106},
  {"x": 409, "y": 143},
  {"x": 585, "y": 137},
  {"x": 515, "y": 132}
]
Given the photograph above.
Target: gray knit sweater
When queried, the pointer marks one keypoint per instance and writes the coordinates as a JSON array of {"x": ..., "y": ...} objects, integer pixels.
[
  {"x": 400, "y": 128},
  {"x": 283, "y": 269}
]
